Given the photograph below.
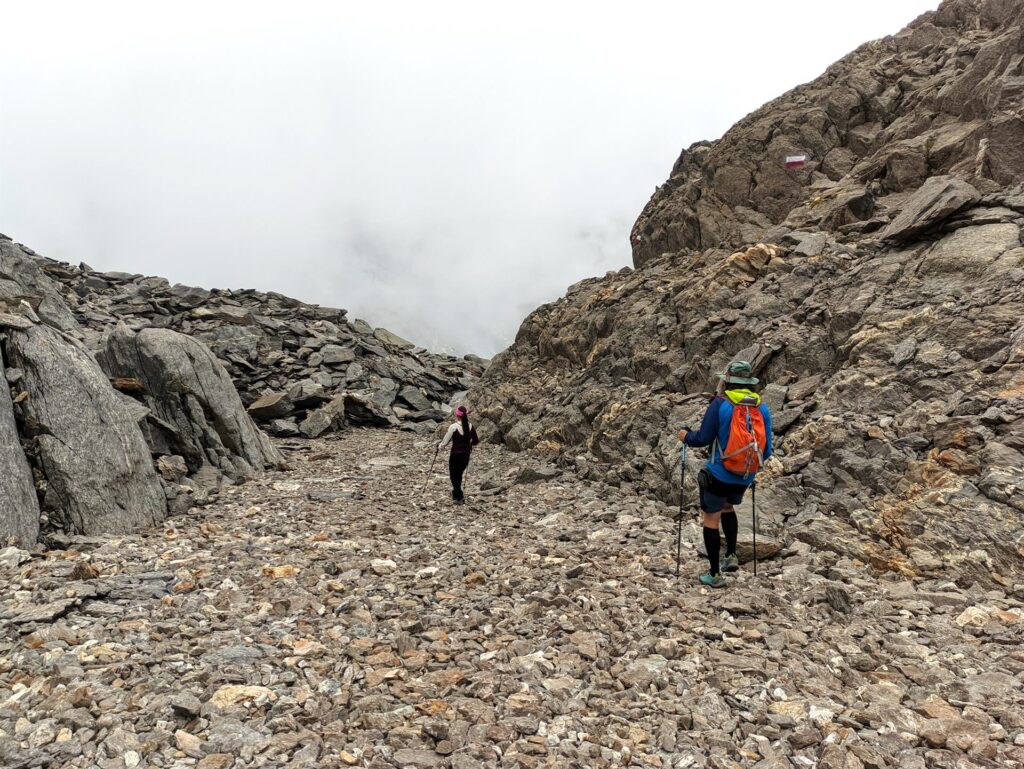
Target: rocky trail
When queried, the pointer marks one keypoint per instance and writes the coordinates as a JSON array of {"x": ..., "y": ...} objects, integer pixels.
[{"x": 331, "y": 615}]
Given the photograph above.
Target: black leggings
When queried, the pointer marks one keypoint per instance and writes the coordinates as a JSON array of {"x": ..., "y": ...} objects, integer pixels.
[{"x": 457, "y": 464}]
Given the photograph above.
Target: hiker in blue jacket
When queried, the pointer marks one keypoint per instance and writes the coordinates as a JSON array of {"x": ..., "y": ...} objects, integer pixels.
[{"x": 738, "y": 427}]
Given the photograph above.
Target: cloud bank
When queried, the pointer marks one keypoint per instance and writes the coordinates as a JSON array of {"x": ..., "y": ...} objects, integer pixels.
[{"x": 439, "y": 169}]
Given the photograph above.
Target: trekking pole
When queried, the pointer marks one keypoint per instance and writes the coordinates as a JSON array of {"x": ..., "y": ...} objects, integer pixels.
[
  {"x": 430, "y": 471},
  {"x": 753, "y": 509},
  {"x": 679, "y": 520}
]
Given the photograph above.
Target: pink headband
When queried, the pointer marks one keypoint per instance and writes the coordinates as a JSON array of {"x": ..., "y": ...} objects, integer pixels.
[{"x": 460, "y": 411}]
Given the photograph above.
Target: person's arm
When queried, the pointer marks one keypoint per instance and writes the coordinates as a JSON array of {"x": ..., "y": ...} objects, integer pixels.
[
  {"x": 473, "y": 439},
  {"x": 447, "y": 437},
  {"x": 768, "y": 450},
  {"x": 708, "y": 431}
]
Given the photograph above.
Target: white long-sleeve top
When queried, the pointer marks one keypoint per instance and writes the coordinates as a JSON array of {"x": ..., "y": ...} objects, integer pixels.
[{"x": 456, "y": 428}]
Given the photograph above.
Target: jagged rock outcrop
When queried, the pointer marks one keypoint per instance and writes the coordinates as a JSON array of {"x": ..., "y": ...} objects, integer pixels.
[
  {"x": 98, "y": 468},
  {"x": 77, "y": 454},
  {"x": 941, "y": 97},
  {"x": 21, "y": 280},
  {"x": 279, "y": 350},
  {"x": 195, "y": 411},
  {"x": 890, "y": 338}
]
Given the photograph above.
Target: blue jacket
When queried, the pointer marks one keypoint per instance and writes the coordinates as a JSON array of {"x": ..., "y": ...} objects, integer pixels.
[{"x": 714, "y": 429}]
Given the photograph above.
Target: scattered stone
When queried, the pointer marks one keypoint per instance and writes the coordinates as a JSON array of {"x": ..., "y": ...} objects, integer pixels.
[
  {"x": 838, "y": 599},
  {"x": 402, "y": 652},
  {"x": 382, "y": 566},
  {"x": 270, "y": 406},
  {"x": 231, "y": 695},
  {"x": 12, "y": 557},
  {"x": 185, "y": 704},
  {"x": 172, "y": 467}
]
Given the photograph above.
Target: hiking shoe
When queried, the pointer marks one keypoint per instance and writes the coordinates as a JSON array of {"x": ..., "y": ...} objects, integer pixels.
[
  {"x": 731, "y": 563},
  {"x": 710, "y": 580}
]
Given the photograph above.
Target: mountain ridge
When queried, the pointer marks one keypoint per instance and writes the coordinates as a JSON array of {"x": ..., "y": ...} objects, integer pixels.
[{"x": 882, "y": 306}]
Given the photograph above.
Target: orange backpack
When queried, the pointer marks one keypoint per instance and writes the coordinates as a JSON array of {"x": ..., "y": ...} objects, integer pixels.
[{"x": 744, "y": 453}]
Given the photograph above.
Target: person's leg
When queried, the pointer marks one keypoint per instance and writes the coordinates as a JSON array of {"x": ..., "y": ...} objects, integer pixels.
[
  {"x": 731, "y": 527},
  {"x": 461, "y": 462},
  {"x": 711, "y": 505},
  {"x": 456, "y": 476},
  {"x": 712, "y": 541}
]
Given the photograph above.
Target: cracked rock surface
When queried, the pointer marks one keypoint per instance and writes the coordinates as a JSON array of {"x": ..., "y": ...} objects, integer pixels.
[
  {"x": 199, "y": 415},
  {"x": 99, "y": 469}
]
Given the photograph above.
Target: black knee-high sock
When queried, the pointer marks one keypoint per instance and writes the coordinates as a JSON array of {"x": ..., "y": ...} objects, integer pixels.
[
  {"x": 731, "y": 527},
  {"x": 713, "y": 543}
]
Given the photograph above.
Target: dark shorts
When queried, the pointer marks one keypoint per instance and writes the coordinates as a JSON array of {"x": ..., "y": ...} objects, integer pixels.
[{"x": 714, "y": 494}]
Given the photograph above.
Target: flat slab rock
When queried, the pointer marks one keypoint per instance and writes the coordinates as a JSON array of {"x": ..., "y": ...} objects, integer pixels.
[{"x": 935, "y": 201}]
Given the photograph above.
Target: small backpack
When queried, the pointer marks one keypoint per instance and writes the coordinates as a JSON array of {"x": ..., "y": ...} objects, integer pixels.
[{"x": 744, "y": 453}]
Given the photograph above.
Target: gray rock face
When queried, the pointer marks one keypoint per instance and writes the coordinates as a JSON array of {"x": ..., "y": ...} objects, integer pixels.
[
  {"x": 889, "y": 383},
  {"x": 201, "y": 416},
  {"x": 98, "y": 468},
  {"x": 19, "y": 508},
  {"x": 22, "y": 279}
]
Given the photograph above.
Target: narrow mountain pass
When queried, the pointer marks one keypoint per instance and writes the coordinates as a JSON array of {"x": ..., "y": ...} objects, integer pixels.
[{"x": 339, "y": 614}]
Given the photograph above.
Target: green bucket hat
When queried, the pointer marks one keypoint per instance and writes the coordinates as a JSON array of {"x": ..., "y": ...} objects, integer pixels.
[{"x": 739, "y": 372}]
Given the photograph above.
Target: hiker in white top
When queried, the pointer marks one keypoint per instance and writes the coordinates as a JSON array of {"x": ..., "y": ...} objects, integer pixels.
[{"x": 462, "y": 436}]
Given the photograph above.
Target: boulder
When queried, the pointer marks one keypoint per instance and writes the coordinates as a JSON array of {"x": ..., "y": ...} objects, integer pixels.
[
  {"x": 328, "y": 417},
  {"x": 197, "y": 410},
  {"x": 934, "y": 201},
  {"x": 19, "y": 508},
  {"x": 307, "y": 394},
  {"x": 283, "y": 428},
  {"x": 98, "y": 468},
  {"x": 414, "y": 398},
  {"x": 361, "y": 410},
  {"x": 336, "y": 355},
  {"x": 392, "y": 340}
]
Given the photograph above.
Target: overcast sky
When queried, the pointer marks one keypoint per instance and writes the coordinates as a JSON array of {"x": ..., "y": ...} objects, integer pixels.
[{"x": 438, "y": 168}]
